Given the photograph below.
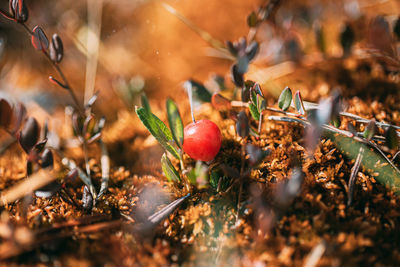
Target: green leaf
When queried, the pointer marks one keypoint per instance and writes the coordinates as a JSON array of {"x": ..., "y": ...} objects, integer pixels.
[
  {"x": 261, "y": 104},
  {"x": 369, "y": 131},
  {"x": 200, "y": 93},
  {"x": 253, "y": 95},
  {"x": 145, "y": 103},
  {"x": 158, "y": 129},
  {"x": 175, "y": 122},
  {"x": 285, "y": 99},
  {"x": 169, "y": 170},
  {"x": 298, "y": 103},
  {"x": 254, "y": 112},
  {"x": 372, "y": 162}
]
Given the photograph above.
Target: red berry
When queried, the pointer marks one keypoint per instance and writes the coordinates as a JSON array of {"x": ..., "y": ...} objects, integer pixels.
[{"x": 202, "y": 140}]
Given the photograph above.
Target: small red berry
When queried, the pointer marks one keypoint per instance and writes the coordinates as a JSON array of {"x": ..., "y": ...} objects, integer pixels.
[{"x": 202, "y": 140}]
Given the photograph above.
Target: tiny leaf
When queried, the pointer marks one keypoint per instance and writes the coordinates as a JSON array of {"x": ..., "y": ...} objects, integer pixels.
[
  {"x": 298, "y": 103},
  {"x": 242, "y": 125},
  {"x": 236, "y": 76},
  {"x": 169, "y": 170},
  {"x": 175, "y": 122},
  {"x": 220, "y": 102},
  {"x": 285, "y": 99},
  {"x": 56, "y": 48},
  {"x": 369, "y": 131},
  {"x": 252, "y": 20},
  {"x": 39, "y": 39}
]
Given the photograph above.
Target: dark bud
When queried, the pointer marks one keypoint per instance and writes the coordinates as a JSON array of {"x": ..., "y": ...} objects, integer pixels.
[
  {"x": 252, "y": 20},
  {"x": 392, "y": 139},
  {"x": 18, "y": 117},
  {"x": 29, "y": 135},
  {"x": 48, "y": 190},
  {"x": 18, "y": 10},
  {"x": 5, "y": 113},
  {"x": 231, "y": 48},
  {"x": 47, "y": 158},
  {"x": 246, "y": 90},
  {"x": 87, "y": 199},
  {"x": 236, "y": 76},
  {"x": 252, "y": 50},
  {"x": 39, "y": 39},
  {"x": 242, "y": 125},
  {"x": 347, "y": 37},
  {"x": 56, "y": 49}
]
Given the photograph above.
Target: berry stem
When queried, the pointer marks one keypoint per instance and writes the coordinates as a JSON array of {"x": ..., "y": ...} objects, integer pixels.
[{"x": 190, "y": 95}]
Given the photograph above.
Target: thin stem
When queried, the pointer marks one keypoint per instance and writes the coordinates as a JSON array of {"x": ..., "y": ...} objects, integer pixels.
[
  {"x": 260, "y": 123},
  {"x": 190, "y": 95},
  {"x": 66, "y": 83},
  {"x": 241, "y": 180}
]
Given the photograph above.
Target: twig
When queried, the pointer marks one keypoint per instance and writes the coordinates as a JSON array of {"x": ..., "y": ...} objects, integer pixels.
[
  {"x": 105, "y": 168},
  {"x": 353, "y": 175}
]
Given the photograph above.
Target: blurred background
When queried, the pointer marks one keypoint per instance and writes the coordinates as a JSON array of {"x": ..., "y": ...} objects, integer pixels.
[{"x": 144, "y": 47}]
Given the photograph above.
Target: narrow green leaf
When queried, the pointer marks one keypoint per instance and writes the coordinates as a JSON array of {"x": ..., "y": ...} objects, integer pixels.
[
  {"x": 158, "y": 129},
  {"x": 253, "y": 95},
  {"x": 285, "y": 99},
  {"x": 175, "y": 122},
  {"x": 254, "y": 112},
  {"x": 298, "y": 103},
  {"x": 145, "y": 103},
  {"x": 392, "y": 139},
  {"x": 372, "y": 161},
  {"x": 169, "y": 170}
]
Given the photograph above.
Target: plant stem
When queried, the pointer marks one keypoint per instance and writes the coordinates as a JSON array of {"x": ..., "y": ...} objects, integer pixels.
[{"x": 241, "y": 179}]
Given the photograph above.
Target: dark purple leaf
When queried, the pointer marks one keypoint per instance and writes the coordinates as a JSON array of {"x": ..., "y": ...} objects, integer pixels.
[
  {"x": 252, "y": 50},
  {"x": 56, "y": 49},
  {"x": 29, "y": 135},
  {"x": 236, "y": 76},
  {"x": 392, "y": 139},
  {"x": 5, "y": 113},
  {"x": 347, "y": 38},
  {"x": 231, "y": 48},
  {"x": 242, "y": 125},
  {"x": 47, "y": 158},
  {"x": 18, "y": 10},
  {"x": 48, "y": 190},
  {"x": 220, "y": 102},
  {"x": 40, "y": 146},
  {"x": 39, "y": 39}
]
